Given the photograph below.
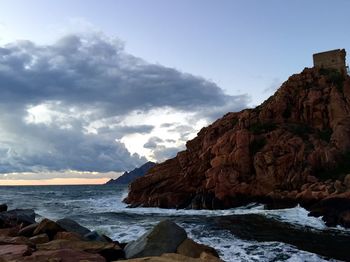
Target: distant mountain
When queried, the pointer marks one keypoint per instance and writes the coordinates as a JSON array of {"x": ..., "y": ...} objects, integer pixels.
[{"x": 128, "y": 177}]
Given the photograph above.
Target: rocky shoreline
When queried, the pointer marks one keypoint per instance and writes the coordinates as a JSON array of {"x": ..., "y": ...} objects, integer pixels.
[
  {"x": 22, "y": 239},
  {"x": 330, "y": 243},
  {"x": 292, "y": 149}
]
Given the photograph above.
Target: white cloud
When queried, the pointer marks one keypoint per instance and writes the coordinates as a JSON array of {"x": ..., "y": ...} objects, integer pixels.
[{"x": 85, "y": 104}]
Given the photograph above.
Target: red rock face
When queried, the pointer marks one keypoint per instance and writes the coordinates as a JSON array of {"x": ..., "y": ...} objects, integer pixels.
[{"x": 292, "y": 148}]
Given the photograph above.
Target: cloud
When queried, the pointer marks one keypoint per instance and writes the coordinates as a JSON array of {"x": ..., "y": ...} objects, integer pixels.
[
  {"x": 152, "y": 142},
  {"x": 96, "y": 73},
  {"x": 163, "y": 153},
  {"x": 119, "y": 131},
  {"x": 182, "y": 129},
  {"x": 62, "y": 105},
  {"x": 42, "y": 148},
  {"x": 166, "y": 125},
  {"x": 161, "y": 149}
]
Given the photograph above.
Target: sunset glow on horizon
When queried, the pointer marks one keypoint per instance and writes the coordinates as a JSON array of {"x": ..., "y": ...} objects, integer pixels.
[{"x": 55, "y": 181}]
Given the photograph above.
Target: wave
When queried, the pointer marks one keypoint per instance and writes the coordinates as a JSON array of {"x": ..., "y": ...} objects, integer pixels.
[{"x": 101, "y": 208}]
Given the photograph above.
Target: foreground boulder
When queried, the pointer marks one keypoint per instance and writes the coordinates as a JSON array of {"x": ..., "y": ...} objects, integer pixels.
[
  {"x": 15, "y": 217},
  {"x": 63, "y": 255},
  {"x": 13, "y": 252},
  {"x": 28, "y": 230},
  {"x": 63, "y": 241},
  {"x": 49, "y": 227},
  {"x": 110, "y": 251},
  {"x": 10, "y": 232},
  {"x": 172, "y": 257},
  {"x": 95, "y": 236},
  {"x": 68, "y": 236},
  {"x": 15, "y": 240},
  {"x": 190, "y": 248},
  {"x": 3, "y": 207},
  {"x": 163, "y": 238},
  {"x": 40, "y": 239},
  {"x": 72, "y": 226},
  {"x": 293, "y": 148}
]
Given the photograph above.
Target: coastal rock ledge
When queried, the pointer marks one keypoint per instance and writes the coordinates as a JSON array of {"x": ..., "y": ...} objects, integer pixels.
[
  {"x": 22, "y": 239},
  {"x": 292, "y": 149}
]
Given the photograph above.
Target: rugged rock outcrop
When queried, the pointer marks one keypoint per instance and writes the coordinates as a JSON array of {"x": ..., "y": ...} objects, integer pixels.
[
  {"x": 190, "y": 248},
  {"x": 3, "y": 207},
  {"x": 293, "y": 148},
  {"x": 62, "y": 255},
  {"x": 173, "y": 257},
  {"x": 163, "y": 238},
  {"x": 129, "y": 177},
  {"x": 48, "y": 227},
  {"x": 72, "y": 226},
  {"x": 17, "y": 216},
  {"x": 65, "y": 240}
]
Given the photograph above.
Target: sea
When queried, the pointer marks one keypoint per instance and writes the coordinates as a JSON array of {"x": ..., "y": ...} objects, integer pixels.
[{"x": 101, "y": 208}]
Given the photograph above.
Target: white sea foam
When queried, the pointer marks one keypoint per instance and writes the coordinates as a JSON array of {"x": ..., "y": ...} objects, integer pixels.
[
  {"x": 232, "y": 248},
  {"x": 296, "y": 215},
  {"x": 229, "y": 247},
  {"x": 101, "y": 209}
]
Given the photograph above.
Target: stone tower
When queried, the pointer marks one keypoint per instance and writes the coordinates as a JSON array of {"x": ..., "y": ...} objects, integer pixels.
[{"x": 334, "y": 59}]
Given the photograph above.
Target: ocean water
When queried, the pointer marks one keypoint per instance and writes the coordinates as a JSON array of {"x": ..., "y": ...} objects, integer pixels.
[{"x": 100, "y": 208}]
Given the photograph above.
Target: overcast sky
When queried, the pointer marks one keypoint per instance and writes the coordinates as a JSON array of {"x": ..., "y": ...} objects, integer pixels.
[{"x": 92, "y": 88}]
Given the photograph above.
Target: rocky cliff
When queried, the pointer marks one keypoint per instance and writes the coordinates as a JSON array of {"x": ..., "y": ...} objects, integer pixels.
[{"x": 293, "y": 148}]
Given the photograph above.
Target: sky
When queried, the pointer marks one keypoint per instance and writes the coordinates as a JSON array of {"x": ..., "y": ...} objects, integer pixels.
[{"x": 90, "y": 89}]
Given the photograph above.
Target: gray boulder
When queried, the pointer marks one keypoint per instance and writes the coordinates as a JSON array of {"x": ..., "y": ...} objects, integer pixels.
[
  {"x": 28, "y": 230},
  {"x": 95, "y": 236},
  {"x": 49, "y": 227},
  {"x": 163, "y": 238},
  {"x": 16, "y": 217},
  {"x": 72, "y": 226},
  {"x": 3, "y": 207}
]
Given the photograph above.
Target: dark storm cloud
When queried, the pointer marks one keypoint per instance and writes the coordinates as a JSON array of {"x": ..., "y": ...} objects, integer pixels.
[
  {"x": 119, "y": 131},
  {"x": 96, "y": 72},
  {"x": 95, "y": 76},
  {"x": 28, "y": 147}
]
